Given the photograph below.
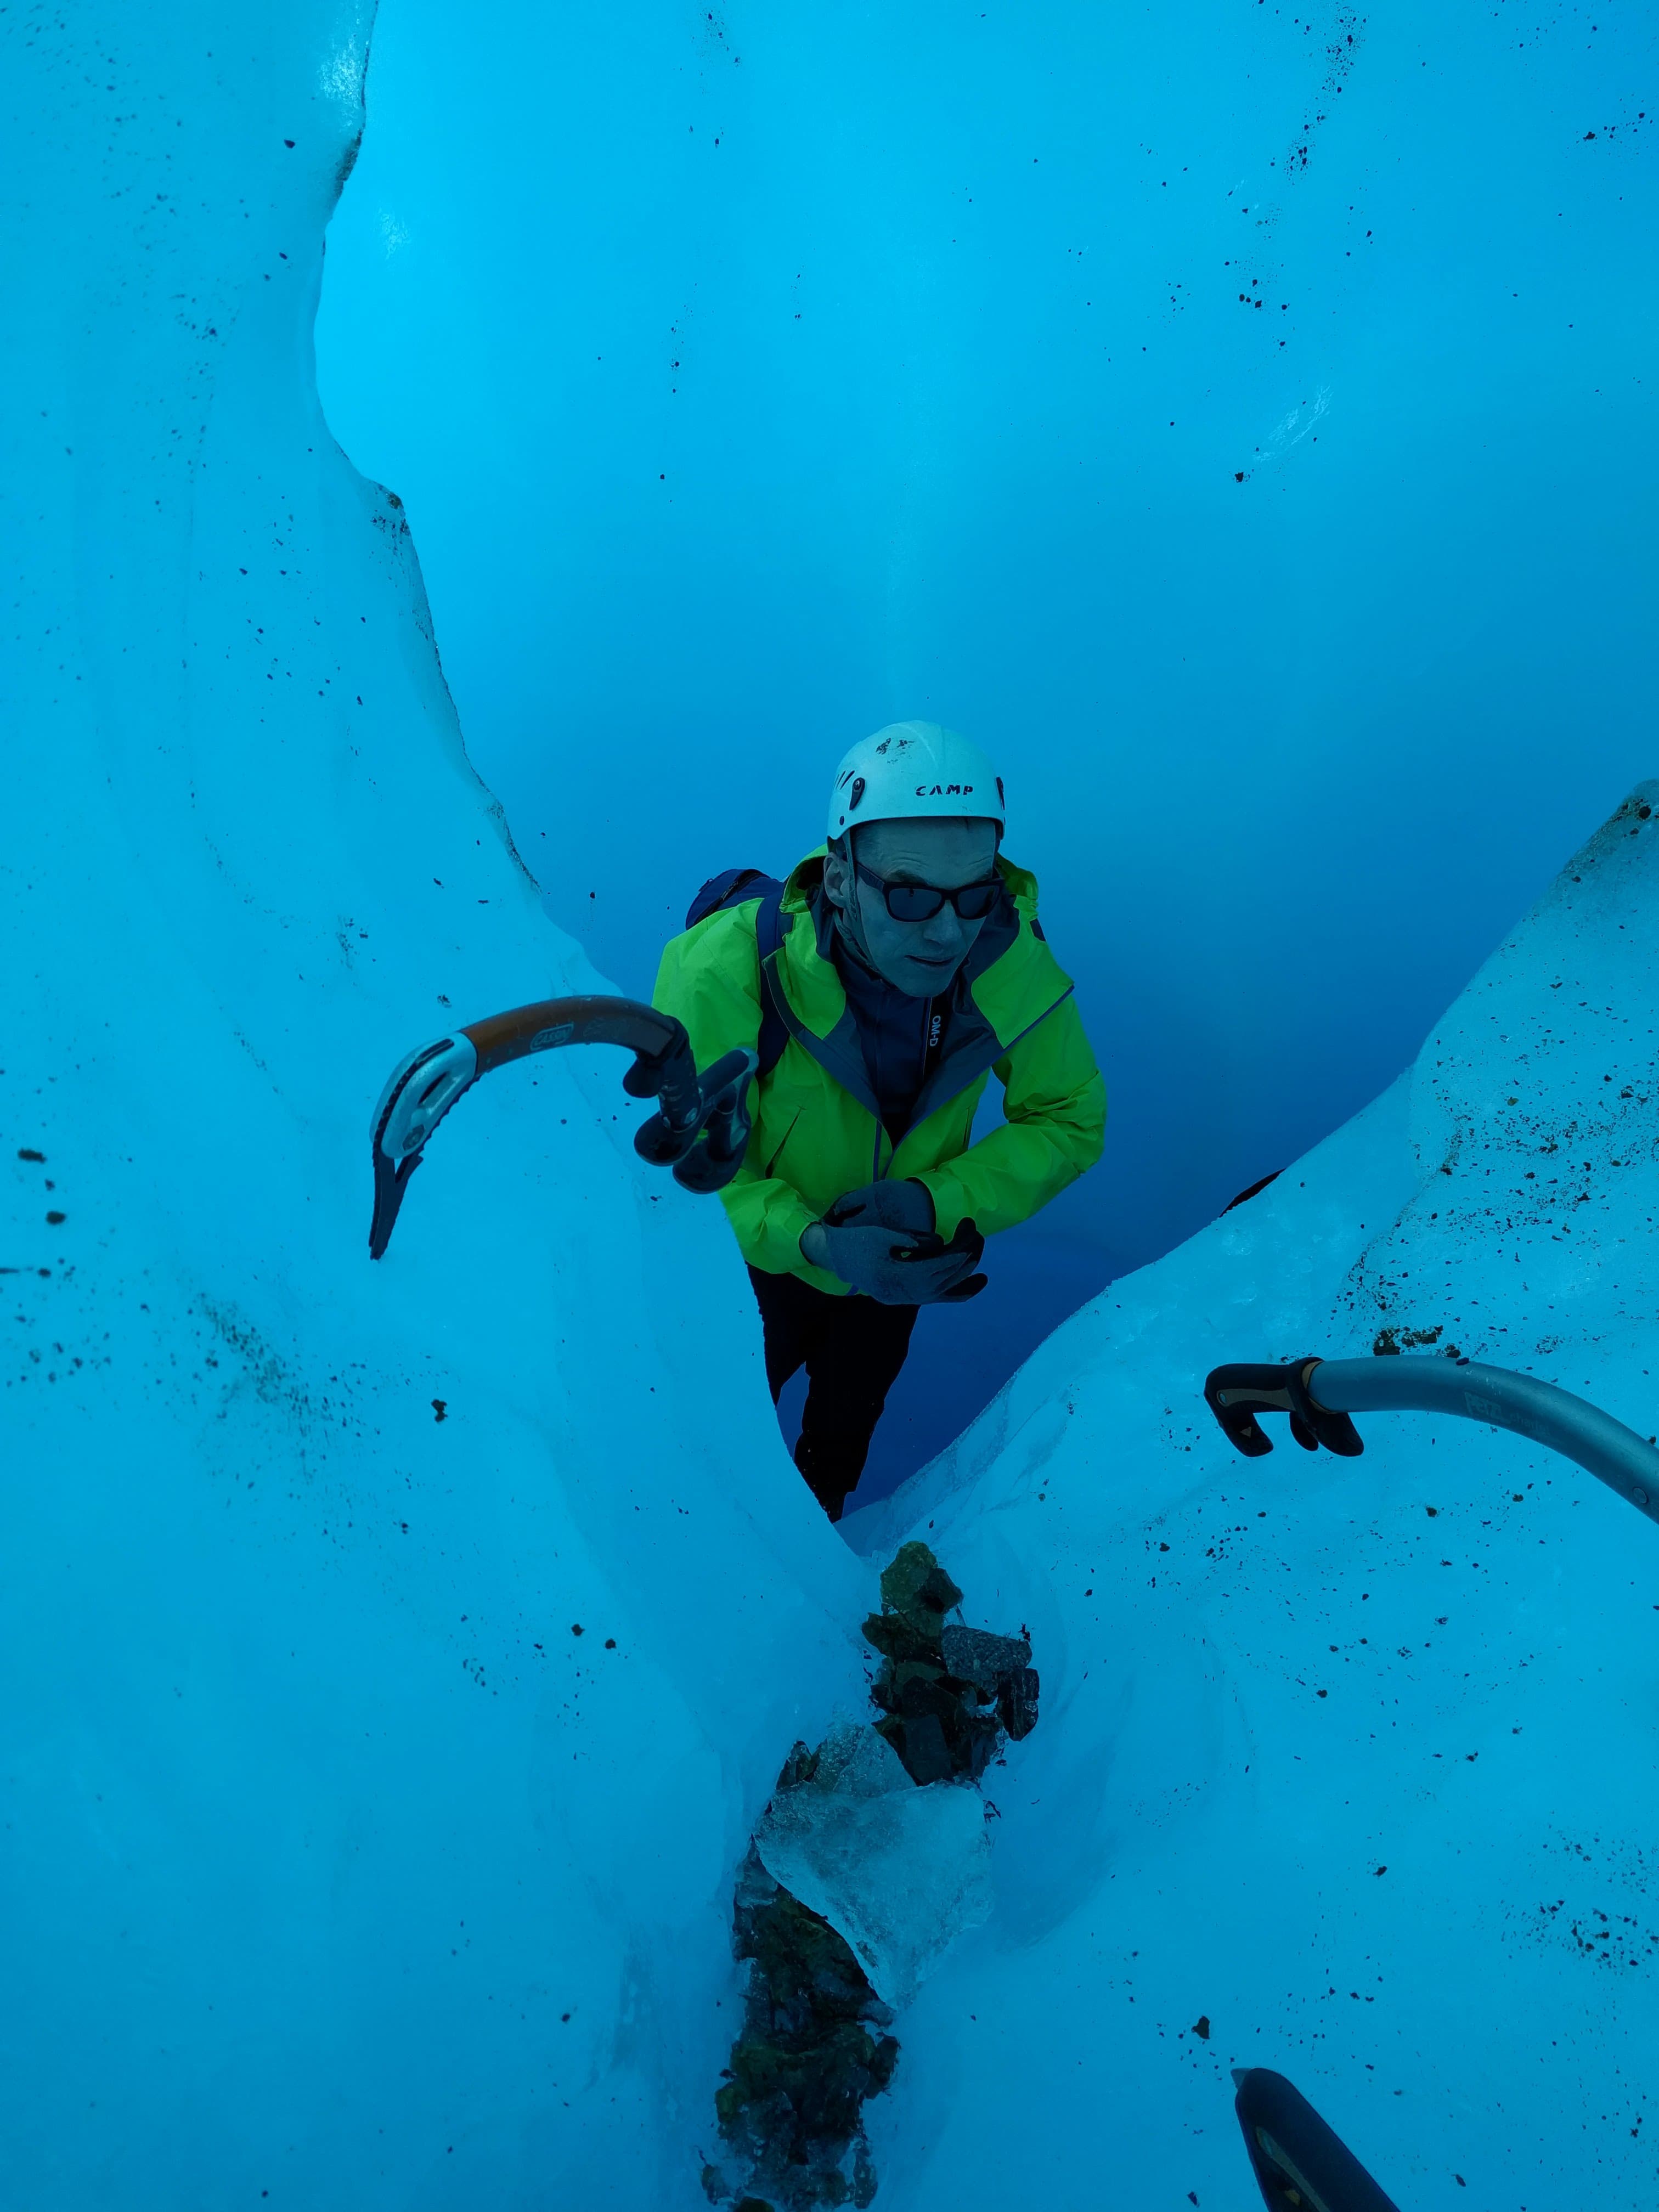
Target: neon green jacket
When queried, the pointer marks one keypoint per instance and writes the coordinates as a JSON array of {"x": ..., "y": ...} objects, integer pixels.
[{"x": 817, "y": 1132}]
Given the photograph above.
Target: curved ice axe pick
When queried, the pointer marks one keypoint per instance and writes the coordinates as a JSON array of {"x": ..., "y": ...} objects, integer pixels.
[
  {"x": 1319, "y": 1394},
  {"x": 426, "y": 1083},
  {"x": 1300, "y": 2165}
]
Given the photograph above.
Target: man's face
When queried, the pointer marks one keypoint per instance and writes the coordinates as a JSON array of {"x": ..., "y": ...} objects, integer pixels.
[{"x": 917, "y": 958}]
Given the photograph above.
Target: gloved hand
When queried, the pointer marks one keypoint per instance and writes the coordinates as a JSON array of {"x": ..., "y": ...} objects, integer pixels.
[
  {"x": 897, "y": 1269},
  {"x": 884, "y": 1206},
  {"x": 946, "y": 1269}
]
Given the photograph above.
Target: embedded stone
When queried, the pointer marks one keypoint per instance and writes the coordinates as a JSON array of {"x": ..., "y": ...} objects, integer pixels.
[
  {"x": 974, "y": 1654},
  {"x": 917, "y": 1588},
  {"x": 1018, "y": 1703},
  {"x": 926, "y": 1753}
]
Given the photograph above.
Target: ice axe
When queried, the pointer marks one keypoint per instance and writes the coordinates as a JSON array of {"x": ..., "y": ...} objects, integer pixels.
[
  {"x": 712, "y": 1107},
  {"x": 1319, "y": 1394},
  {"x": 1300, "y": 2165}
]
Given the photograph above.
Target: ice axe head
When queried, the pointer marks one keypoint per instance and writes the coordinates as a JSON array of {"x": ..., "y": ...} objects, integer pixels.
[{"x": 1237, "y": 1394}]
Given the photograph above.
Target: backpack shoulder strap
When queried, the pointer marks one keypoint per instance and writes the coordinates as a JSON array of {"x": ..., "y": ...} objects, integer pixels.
[{"x": 769, "y": 936}]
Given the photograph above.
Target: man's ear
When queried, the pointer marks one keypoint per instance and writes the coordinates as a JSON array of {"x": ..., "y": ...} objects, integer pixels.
[{"x": 836, "y": 867}]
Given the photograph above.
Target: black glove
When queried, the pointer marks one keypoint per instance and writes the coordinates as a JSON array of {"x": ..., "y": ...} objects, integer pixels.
[
  {"x": 945, "y": 1269},
  {"x": 903, "y": 1268},
  {"x": 884, "y": 1206}
]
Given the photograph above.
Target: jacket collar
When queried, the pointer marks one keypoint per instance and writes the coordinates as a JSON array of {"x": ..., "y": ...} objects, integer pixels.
[{"x": 812, "y": 1003}]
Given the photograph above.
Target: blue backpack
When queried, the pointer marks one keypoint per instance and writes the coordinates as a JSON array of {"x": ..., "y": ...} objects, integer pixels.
[{"x": 736, "y": 887}]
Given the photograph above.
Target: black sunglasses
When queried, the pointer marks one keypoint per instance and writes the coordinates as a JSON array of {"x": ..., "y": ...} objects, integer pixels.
[{"x": 921, "y": 901}]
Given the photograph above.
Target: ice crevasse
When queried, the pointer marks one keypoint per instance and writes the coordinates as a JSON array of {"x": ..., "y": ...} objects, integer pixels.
[{"x": 397, "y": 1660}]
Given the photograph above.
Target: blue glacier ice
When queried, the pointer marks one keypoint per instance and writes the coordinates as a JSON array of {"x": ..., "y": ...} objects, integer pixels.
[
  {"x": 756, "y": 377},
  {"x": 1331, "y": 1757},
  {"x": 395, "y": 1656},
  {"x": 398, "y": 1658}
]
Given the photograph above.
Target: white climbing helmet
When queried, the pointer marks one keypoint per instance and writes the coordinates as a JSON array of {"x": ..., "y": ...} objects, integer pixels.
[{"x": 912, "y": 769}]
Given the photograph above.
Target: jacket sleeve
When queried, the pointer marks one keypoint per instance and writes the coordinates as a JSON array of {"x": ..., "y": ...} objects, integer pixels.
[
  {"x": 710, "y": 978},
  {"x": 1055, "y": 1125}
]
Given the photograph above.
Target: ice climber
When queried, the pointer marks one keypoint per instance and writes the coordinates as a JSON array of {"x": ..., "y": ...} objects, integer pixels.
[{"x": 900, "y": 963}]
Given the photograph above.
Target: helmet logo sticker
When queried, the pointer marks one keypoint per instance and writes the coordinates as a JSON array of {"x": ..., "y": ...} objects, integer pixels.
[{"x": 943, "y": 790}]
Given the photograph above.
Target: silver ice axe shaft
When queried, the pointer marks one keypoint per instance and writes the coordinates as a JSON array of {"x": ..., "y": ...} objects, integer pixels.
[
  {"x": 712, "y": 1107},
  {"x": 1319, "y": 1394}
]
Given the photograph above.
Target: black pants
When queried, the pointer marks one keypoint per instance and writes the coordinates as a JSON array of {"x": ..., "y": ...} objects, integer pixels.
[{"x": 852, "y": 1349}]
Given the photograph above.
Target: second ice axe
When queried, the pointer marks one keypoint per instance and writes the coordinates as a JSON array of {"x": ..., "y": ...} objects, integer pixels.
[{"x": 700, "y": 1128}]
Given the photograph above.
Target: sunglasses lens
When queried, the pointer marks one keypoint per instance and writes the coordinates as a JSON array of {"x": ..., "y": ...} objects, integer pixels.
[
  {"x": 914, "y": 902},
  {"x": 976, "y": 902}
]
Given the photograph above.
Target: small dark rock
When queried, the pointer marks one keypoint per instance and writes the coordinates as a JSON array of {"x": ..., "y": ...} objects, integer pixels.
[
  {"x": 917, "y": 1588},
  {"x": 800, "y": 1766},
  {"x": 918, "y": 1694},
  {"x": 895, "y": 1639},
  {"x": 984, "y": 1737},
  {"x": 974, "y": 1654},
  {"x": 922, "y": 1748},
  {"x": 1018, "y": 1705},
  {"x": 938, "y": 1592}
]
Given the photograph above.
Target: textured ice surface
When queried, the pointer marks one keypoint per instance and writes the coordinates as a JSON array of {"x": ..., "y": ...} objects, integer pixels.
[
  {"x": 1353, "y": 1758},
  {"x": 335, "y": 1862},
  {"x": 899, "y": 1871}
]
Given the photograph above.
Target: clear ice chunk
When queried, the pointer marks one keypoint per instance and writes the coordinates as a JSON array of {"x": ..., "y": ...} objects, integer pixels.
[{"x": 899, "y": 1872}]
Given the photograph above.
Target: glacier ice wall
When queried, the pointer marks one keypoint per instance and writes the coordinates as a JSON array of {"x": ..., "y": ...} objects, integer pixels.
[
  {"x": 336, "y": 1866},
  {"x": 755, "y": 376},
  {"x": 396, "y": 1656},
  {"x": 1351, "y": 1761}
]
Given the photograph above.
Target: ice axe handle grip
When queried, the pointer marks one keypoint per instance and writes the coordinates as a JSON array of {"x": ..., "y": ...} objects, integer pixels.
[
  {"x": 1237, "y": 1394},
  {"x": 714, "y": 1109},
  {"x": 670, "y": 1076}
]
